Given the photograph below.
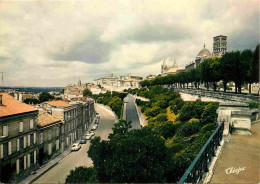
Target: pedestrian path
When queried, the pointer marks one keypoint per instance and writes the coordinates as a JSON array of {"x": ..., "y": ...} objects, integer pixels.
[
  {"x": 46, "y": 167},
  {"x": 240, "y": 159}
]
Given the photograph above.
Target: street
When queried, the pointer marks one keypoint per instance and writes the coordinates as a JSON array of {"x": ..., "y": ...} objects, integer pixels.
[
  {"x": 79, "y": 158},
  {"x": 131, "y": 113}
]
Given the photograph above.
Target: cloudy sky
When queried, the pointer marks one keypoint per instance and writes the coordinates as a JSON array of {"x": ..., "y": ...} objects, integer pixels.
[{"x": 54, "y": 43}]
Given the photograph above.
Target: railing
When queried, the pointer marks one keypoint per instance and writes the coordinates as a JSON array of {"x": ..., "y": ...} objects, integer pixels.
[
  {"x": 220, "y": 95},
  {"x": 200, "y": 164}
]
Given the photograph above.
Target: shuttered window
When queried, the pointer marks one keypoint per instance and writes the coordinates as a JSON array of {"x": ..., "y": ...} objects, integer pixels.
[
  {"x": 31, "y": 124},
  {"x": 21, "y": 127},
  {"x": 5, "y": 130}
]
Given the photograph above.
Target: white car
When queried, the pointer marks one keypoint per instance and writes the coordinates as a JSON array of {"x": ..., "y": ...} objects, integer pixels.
[
  {"x": 94, "y": 127},
  {"x": 92, "y": 133},
  {"x": 88, "y": 136},
  {"x": 76, "y": 147}
]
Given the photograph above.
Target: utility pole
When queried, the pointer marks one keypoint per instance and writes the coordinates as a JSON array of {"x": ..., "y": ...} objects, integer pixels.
[{"x": 2, "y": 78}]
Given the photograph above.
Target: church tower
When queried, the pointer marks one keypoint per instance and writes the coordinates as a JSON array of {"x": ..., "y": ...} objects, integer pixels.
[
  {"x": 164, "y": 67},
  {"x": 79, "y": 83}
]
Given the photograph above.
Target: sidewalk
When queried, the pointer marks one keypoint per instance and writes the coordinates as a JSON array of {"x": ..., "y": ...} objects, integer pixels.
[
  {"x": 46, "y": 167},
  {"x": 240, "y": 161}
]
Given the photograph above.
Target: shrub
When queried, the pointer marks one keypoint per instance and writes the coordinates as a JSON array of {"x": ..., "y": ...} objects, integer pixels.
[
  {"x": 188, "y": 129},
  {"x": 209, "y": 115},
  {"x": 176, "y": 105},
  {"x": 253, "y": 105},
  {"x": 82, "y": 175},
  {"x": 191, "y": 110}
]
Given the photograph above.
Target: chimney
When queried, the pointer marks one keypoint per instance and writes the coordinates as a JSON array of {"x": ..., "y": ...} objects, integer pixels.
[{"x": 1, "y": 99}]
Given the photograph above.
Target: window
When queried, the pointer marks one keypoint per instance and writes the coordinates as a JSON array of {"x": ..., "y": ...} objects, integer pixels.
[
  {"x": 21, "y": 127},
  {"x": 21, "y": 143},
  {"x": 5, "y": 130},
  {"x": 21, "y": 164},
  {"x": 31, "y": 157},
  {"x": 31, "y": 124},
  {"x": 41, "y": 138},
  {"x": 31, "y": 139},
  {"x": 18, "y": 144},
  {"x": 62, "y": 129}
]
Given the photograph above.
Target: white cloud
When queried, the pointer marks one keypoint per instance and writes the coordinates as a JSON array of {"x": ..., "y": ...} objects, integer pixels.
[{"x": 53, "y": 43}]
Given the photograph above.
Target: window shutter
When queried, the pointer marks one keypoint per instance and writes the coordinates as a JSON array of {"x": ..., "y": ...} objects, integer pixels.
[
  {"x": 18, "y": 144},
  {"x": 24, "y": 159},
  {"x": 31, "y": 124},
  {"x": 28, "y": 160},
  {"x": 34, "y": 138},
  {"x": 1, "y": 151},
  {"x": 9, "y": 148},
  {"x": 57, "y": 145},
  {"x": 5, "y": 130},
  {"x": 34, "y": 161},
  {"x": 24, "y": 142},
  {"x": 17, "y": 166},
  {"x": 29, "y": 142},
  {"x": 21, "y": 127}
]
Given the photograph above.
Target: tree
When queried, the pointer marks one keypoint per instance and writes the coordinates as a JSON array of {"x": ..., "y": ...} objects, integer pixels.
[
  {"x": 120, "y": 128},
  {"x": 255, "y": 73},
  {"x": 82, "y": 175},
  {"x": 31, "y": 101},
  {"x": 209, "y": 115},
  {"x": 45, "y": 96},
  {"x": 87, "y": 92}
]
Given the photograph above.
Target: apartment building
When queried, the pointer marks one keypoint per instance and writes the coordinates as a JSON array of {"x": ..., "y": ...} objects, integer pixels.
[{"x": 18, "y": 139}]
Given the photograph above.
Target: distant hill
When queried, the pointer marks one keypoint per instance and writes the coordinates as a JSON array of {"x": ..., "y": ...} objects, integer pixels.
[{"x": 35, "y": 89}]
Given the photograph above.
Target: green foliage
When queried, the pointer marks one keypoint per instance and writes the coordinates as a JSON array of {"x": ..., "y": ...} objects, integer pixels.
[
  {"x": 176, "y": 105},
  {"x": 165, "y": 129},
  {"x": 191, "y": 110},
  {"x": 209, "y": 115},
  {"x": 82, "y": 175},
  {"x": 87, "y": 92},
  {"x": 207, "y": 127},
  {"x": 154, "y": 111},
  {"x": 253, "y": 105},
  {"x": 120, "y": 128},
  {"x": 31, "y": 101},
  {"x": 136, "y": 156},
  {"x": 188, "y": 129},
  {"x": 45, "y": 96}
]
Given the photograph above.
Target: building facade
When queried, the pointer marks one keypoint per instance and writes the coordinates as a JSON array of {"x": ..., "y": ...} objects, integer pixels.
[
  {"x": 30, "y": 137},
  {"x": 74, "y": 92},
  {"x": 18, "y": 140},
  {"x": 119, "y": 83}
]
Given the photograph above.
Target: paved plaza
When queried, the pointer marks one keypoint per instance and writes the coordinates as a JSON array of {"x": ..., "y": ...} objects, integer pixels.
[{"x": 240, "y": 159}]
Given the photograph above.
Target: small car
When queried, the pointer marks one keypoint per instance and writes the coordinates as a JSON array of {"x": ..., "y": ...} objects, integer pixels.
[
  {"x": 88, "y": 136},
  {"x": 76, "y": 147},
  {"x": 92, "y": 133},
  {"x": 94, "y": 127},
  {"x": 83, "y": 140}
]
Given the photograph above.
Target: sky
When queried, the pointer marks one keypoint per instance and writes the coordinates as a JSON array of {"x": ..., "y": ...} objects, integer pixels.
[{"x": 54, "y": 43}]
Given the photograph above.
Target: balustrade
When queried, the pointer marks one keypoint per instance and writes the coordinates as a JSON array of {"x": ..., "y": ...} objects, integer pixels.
[{"x": 200, "y": 164}]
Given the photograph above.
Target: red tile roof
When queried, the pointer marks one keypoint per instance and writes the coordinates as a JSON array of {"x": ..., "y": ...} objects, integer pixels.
[
  {"x": 10, "y": 106},
  {"x": 46, "y": 119},
  {"x": 58, "y": 103}
]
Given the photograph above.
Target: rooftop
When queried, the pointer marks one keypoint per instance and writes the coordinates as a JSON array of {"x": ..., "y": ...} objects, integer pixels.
[
  {"x": 58, "y": 103},
  {"x": 10, "y": 106},
  {"x": 46, "y": 119}
]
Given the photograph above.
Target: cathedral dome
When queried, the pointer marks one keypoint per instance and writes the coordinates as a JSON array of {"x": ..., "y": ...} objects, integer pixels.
[{"x": 204, "y": 53}]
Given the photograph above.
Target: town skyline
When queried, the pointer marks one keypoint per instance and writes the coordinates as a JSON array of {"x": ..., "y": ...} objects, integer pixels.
[{"x": 89, "y": 40}]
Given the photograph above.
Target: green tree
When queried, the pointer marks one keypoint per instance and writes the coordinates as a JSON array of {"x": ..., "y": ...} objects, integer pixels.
[
  {"x": 82, "y": 175},
  {"x": 87, "y": 92},
  {"x": 120, "y": 128},
  {"x": 45, "y": 96},
  {"x": 31, "y": 101}
]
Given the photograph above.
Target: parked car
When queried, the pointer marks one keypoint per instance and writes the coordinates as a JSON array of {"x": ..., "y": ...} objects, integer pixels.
[
  {"x": 88, "y": 136},
  {"x": 76, "y": 147},
  {"x": 83, "y": 140},
  {"x": 92, "y": 133},
  {"x": 94, "y": 127}
]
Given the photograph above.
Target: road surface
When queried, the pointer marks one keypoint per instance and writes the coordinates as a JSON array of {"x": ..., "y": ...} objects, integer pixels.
[
  {"x": 75, "y": 159},
  {"x": 131, "y": 113}
]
